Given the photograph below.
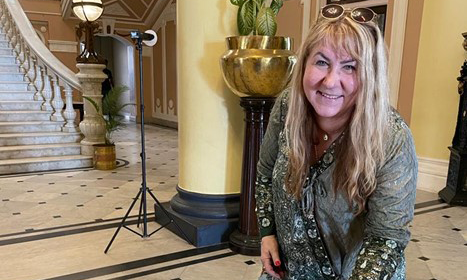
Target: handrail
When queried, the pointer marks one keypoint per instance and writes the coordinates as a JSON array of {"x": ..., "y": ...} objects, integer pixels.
[
  {"x": 43, "y": 54},
  {"x": 45, "y": 74}
]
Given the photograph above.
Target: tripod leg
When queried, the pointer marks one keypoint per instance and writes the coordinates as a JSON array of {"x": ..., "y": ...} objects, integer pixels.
[
  {"x": 170, "y": 217},
  {"x": 140, "y": 210},
  {"x": 122, "y": 222}
]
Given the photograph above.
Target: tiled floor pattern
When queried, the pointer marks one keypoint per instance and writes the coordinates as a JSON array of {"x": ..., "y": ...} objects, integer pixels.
[{"x": 57, "y": 225}]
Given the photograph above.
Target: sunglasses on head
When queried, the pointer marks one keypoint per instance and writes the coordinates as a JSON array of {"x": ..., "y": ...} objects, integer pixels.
[{"x": 335, "y": 11}]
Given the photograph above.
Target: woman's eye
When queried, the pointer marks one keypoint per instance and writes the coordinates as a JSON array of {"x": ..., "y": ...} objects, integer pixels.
[
  {"x": 321, "y": 63},
  {"x": 349, "y": 68}
]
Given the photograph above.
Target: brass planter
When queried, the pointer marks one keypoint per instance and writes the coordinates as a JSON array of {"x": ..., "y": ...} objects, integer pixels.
[
  {"x": 258, "y": 66},
  {"x": 105, "y": 157}
]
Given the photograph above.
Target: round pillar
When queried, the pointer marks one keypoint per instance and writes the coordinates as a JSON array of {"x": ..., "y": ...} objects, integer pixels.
[{"x": 210, "y": 123}]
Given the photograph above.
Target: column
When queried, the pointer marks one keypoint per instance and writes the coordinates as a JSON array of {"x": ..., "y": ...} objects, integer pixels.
[{"x": 210, "y": 125}]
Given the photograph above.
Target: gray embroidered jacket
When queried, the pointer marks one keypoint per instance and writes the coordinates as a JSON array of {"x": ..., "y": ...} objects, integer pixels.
[{"x": 329, "y": 241}]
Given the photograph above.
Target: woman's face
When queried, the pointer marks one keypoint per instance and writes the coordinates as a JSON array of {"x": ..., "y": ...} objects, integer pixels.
[{"x": 330, "y": 83}]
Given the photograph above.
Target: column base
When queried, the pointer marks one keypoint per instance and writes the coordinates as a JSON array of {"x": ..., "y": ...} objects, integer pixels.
[
  {"x": 245, "y": 244},
  {"x": 455, "y": 192},
  {"x": 452, "y": 197},
  {"x": 204, "y": 219}
]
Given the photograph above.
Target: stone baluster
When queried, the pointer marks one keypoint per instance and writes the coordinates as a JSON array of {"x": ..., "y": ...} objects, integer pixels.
[
  {"x": 23, "y": 67},
  {"x": 11, "y": 35},
  {"x": 39, "y": 83},
  {"x": 10, "y": 25},
  {"x": 2, "y": 16},
  {"x": 69, "y": 113},
  {"x": 57, "y": 101},
  {"x": 4, "y": 20},
  {"x": 47, "y": 93},
  {"x": 91, "y": 77},
  {"x": 31, "y": 72}
]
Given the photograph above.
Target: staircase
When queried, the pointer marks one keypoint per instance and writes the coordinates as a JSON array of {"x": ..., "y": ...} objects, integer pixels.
[{"x": 29, "y": 140}]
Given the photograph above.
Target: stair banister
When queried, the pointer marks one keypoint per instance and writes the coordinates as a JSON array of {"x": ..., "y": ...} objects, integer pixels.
[{"x": 43, "y": 54}]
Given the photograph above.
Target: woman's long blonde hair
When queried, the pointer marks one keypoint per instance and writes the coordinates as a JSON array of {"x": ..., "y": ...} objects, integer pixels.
[{"x": 361, "y": 151}]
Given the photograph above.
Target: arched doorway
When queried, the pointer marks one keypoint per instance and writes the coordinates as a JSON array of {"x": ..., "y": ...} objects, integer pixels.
[{"x": 120, "y": 55}]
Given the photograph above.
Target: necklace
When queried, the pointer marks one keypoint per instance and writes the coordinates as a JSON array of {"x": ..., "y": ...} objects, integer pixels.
[{"x": 325, "y": 135}]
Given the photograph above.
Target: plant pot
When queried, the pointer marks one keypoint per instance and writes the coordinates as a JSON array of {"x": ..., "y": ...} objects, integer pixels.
[
  {"x": 258, "y": 66},
  {"x": 105, "y": 157}
]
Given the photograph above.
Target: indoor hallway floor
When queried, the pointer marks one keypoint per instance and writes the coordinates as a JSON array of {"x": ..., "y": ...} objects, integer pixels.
[{"x": 57, "y": 225}]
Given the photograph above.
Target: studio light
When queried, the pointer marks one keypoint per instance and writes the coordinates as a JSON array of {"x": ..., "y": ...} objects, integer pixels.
[{"x": 88, "y": 11}]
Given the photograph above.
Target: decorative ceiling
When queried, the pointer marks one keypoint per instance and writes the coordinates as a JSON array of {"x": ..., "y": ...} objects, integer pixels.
[{"x": 134, "y": 12}]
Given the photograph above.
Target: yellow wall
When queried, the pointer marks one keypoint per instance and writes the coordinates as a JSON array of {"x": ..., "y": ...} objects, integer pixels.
[{"x": 440, "y": 56}]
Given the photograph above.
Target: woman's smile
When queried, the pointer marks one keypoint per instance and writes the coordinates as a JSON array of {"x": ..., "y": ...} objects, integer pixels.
[{"x": 330, "y": 83}]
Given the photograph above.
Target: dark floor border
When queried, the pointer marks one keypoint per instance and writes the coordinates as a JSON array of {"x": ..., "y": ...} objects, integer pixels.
[
  {"x": 433, "y": 209},
  {"x": 87, "y": 274},
  {"x": 428, "y": 203},
  {"x": 32, "y": 173},
  {"x": 64, "y": 233},
  {"x": 174, "y": 266},
  {"x": 69, "y": 226}
]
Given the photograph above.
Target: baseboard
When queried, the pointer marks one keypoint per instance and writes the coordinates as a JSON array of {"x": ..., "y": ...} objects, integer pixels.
[{"x": 432, "y": 174}]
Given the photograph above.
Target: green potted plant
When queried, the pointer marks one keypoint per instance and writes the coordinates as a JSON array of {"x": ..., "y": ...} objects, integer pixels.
[
  {"x": 257, "y": 17},
  {"x": 111, "y": 114}
]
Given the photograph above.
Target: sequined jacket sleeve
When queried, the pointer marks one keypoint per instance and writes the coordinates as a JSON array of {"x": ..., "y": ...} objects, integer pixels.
[
  {"x": 390, "y": 209},
  {"x": 267, "y": 158}
]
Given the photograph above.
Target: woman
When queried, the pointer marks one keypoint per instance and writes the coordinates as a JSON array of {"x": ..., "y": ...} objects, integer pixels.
[{"x": 337, "y": 171}]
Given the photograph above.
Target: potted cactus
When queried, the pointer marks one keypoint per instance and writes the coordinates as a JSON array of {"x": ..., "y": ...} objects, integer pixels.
[{"x": 111, "y": 115}]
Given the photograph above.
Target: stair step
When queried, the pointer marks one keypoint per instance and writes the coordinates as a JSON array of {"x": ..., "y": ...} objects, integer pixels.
[
  {"x": 7, "y": 59},
  {"x": 33, "y": 151},
  {"x": 11, "y": 68},
  {"x": 39, "y": 138},
  {"x": 7, "y": 76},
  {"x": 14, "y": 166},
  {"x": 7, "y": 51},
  {"x": 20, "y": 105},
  {"x": 33, "y": 126},
  {"x": 18, "y": 116},
  {"x": 14, "y": 86},
  {"x": 16, "y": 95},
  {"x": 4, "y": 43}
]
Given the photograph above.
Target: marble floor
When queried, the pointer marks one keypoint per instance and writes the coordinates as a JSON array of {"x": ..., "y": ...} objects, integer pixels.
[{"x": 57, "y": 225}]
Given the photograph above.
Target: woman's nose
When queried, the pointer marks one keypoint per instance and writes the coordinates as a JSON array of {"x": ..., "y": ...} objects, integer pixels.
[{"x": 331, "y": 79}]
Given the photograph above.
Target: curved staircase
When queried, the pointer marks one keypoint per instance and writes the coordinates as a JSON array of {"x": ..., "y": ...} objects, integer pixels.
[{"x": 30, "y": 140}]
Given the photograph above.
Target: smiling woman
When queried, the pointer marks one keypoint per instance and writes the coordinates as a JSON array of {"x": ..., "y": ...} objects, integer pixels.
[{"x": 337, "y": 171}]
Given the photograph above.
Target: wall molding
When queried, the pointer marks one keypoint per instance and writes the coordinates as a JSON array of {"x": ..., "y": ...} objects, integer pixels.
[
  {"x": 63, "y": 46},
  {"x": 306, "y": 17},
  {"x": 396, "y": 49},
  {"x": 432, "y": 174},
  {"x": 43, "y": 13},
  {"x": 161, "y": 108}
]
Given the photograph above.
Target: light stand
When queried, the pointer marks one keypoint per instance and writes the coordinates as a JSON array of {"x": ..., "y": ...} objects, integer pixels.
[{"x": 138, "y": 38}]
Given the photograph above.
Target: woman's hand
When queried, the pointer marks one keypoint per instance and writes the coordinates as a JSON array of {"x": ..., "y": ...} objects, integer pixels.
[{"x": 270, "y": 256}]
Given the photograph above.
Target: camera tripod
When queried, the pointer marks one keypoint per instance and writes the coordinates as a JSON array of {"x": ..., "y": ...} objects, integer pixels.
[{"x": 138, "y": 38}]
